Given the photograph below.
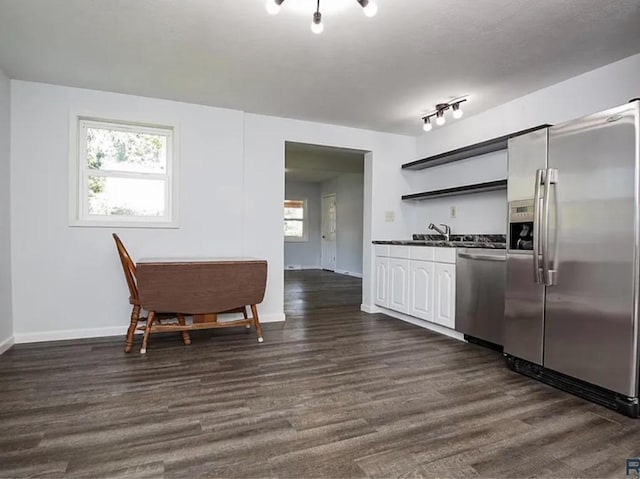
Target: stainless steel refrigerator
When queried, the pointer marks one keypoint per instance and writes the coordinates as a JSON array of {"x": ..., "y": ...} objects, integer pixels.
[{"x": 572, "y": 290}]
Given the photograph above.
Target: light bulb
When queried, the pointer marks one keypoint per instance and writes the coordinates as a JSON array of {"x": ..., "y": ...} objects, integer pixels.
[
  {"x": 317, "y": 26},
  {"x": 457, "y": 112},
  {"x": 427, "y": 125},
  {"x": 371, "y": 9},
  {"x": 273, "y": 7},
  {"x": 440, "y": 119}
]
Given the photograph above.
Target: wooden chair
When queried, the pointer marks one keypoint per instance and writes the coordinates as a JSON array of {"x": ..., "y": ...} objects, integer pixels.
[{"x": 129, "y": 268}]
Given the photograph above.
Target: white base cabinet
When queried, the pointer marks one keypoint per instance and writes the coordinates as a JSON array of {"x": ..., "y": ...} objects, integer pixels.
[
  {"x": 399, "y": 284},
  {"x": 445, "y": 295},
  {"x": 418, "y": 281},
  {"x": 382, "y": 281},
  {"x": 421, "y": 289}
]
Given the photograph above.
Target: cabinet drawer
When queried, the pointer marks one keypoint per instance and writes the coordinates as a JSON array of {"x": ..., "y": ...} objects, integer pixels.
[
  {"x": 399, "y": 251},
  {"x": 445, "y": 255},
  {"x": 422, "y": 253},
  {"x": 381, "y": 249}
]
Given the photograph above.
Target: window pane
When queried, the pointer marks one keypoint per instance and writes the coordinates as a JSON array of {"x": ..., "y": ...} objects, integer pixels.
[
  {"x": 294, "y": 228},
  {"x": 126, "y": 151},
  {"x": 126, "y": 197},
  {"x": 294, "y": 213}
]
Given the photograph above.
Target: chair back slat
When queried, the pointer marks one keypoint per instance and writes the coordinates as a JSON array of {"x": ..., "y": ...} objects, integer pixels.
[{"x": 129, "y": 269}]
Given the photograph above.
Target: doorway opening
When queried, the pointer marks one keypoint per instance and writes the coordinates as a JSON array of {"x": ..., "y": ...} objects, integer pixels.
[{"x": 323, "y": 227}]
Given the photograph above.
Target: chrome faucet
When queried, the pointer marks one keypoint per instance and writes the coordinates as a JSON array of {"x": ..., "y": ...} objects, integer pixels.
[{"x": 444, "y": 231}]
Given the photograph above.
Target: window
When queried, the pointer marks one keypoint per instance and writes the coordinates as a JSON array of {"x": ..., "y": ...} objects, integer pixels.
[
  {"x": 125, "y": 174},
  {"x": 295, "y": 220}
]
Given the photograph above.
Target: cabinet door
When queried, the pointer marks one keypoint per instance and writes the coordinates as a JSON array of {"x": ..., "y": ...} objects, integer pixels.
[
  {"x": 445, "y": 295},
  {"x": 421, "y": 289},
  {"x": 399, "y": 285},
  {"x": 382, "y": 282}
]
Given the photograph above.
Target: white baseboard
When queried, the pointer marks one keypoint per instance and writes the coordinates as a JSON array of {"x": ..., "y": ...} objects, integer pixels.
[
  {"x": 297, "y": 267},
  {"x": 85, "y": 333},
  {"x": 6, "y": 344},
  {"x": 21, "y": 338},
  {"x": 272, "y": 318},
  {"x": 436, "y": 328},
  {"x": 370, "y": 308},
  {"x": 348, "y": 273}
]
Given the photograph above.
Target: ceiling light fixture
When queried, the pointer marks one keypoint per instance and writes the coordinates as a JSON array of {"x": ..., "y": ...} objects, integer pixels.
[
  {"x": 438, "y": 113},
  {"x": 369, "y": 7}
]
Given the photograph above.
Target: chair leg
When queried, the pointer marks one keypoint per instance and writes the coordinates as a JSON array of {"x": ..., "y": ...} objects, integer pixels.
[
  {"x": 135, "y": 317},
  {"x": 147, "y": 331},
  {"x": 256, "y": 322},
  {"x": 244, "y": 313},
  {"x": 186, "y": 339}
]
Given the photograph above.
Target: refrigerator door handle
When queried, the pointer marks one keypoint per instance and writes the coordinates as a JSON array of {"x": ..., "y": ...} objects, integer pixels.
[
  {"x": 552, "y": 275},
  {"x": 537, "y": 277},
  {"x": 548, "y": 274}
]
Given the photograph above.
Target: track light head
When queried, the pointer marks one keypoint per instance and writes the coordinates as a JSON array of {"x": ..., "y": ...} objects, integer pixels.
[
  {"x": 427, "y": 124},
  {"x": 273, "y": 6},
  {"x": 440, "y": 119},
  {"x": 370, "y": 7},
  {"x": 317, "y": 26},
  {"x": 457, "y": 111}
]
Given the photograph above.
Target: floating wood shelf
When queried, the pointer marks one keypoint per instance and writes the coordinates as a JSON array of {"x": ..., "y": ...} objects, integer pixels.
[
  {"x": 459, "y": 190},
  {"x": 463, "y": 153}
]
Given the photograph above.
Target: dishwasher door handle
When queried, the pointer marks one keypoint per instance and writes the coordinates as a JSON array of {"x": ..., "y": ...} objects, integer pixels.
[{"x": 482, "y": 257}]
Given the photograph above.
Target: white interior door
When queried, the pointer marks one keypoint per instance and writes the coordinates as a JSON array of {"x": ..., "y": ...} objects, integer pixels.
[{"x": 329, "y": 224}]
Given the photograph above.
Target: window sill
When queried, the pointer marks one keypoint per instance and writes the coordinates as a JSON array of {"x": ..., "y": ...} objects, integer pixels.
[
  {"x": 295, "y": 240},
  {"x": 123, "y": 224}
]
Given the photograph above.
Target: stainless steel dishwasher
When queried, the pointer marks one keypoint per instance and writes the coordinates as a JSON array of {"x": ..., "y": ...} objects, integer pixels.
[{"x": 480, "y": 287}]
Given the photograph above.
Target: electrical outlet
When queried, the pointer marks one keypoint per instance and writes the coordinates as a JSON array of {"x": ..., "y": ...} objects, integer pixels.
[
  {"x": 453, "y": 212},
  {"x": 389, "y": 216}
]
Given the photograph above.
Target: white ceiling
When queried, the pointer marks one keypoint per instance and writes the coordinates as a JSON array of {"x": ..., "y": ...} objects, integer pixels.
[
  {"x": 306, "y": 163},
  {"x": 379, "y": 73}
]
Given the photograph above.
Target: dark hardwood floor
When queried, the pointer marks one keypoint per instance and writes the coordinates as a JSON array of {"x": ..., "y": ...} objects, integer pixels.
[{"x": 332, "y": 393}]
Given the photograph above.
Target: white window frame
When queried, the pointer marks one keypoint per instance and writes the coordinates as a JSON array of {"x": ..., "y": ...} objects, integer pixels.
[
  {"x": 305, "y": 222},
  {"x": 79, "y": 204}
]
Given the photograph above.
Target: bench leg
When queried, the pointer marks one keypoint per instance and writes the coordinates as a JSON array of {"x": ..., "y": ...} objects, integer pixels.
[
  {"x": 256, "y": 322},
  {"x": 147, "y": 331},
  {"x": 186, "y": 339},
  {"x": 135, "y": 317}
]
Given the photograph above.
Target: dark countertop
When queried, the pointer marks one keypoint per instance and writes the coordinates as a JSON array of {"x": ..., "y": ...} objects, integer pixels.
[{"x": 456, "y": 241}]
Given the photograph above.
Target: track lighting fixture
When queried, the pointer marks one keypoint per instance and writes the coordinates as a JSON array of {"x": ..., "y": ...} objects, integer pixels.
[
  {"x": 369, "y": 7},
  {"x": 439, "y": 111}
]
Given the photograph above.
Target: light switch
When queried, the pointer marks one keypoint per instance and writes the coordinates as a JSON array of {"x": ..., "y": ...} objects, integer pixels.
[
  {"x": 389, "y": 216},
  {"x": 453, "y": 212}
]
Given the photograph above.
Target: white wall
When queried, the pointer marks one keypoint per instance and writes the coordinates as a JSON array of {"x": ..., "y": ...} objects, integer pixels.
[
  {"x": 349, "y": 190},
  {"x": 597, "y": 90},
  {"x": 67, "y": 281},
  {"x": 6, "y": 322},
  {"x": 305, "y": 254}
]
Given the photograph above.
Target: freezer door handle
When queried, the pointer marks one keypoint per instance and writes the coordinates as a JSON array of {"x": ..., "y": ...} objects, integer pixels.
[
  {"x": 549, "y": 271},
  {"x": 537, "y": 272}
]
